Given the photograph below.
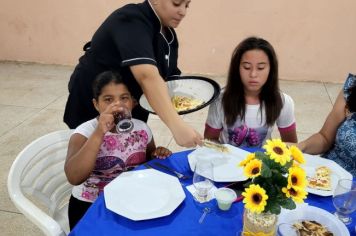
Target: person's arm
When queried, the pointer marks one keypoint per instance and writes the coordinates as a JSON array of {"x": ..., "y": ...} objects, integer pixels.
[
  {"x": 151, "y": 147},
  {"x": 323, "y": 140},
  {"x": 82, "y": 151},
  {"x": 81, "y": 157},
  {"x": 289, "y": 136},
  {"x": 211, "y": 134},
  {"x": 157, "y": 95},
  {"x": 159, "y": 152}
]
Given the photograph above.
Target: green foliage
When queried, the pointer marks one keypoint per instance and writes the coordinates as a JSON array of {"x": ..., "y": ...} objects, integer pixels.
[{"x": 272, "y": 179}]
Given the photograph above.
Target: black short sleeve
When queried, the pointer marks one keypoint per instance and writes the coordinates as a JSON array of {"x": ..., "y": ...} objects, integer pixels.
[{"x": 133, "y": 37}]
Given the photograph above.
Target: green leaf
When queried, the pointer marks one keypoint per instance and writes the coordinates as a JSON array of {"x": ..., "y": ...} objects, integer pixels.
[
  {"x": 260, "y": 155},
  {"x": 273, "y": 207},
  {"x": 286, "y": 167},
  {"x": 266, "y": 171},
  {"x": 287, "y": 203},
  {"x": 279, "y": 179}
]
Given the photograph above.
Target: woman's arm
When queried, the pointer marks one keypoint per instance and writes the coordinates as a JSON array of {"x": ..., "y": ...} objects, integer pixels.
[
  {"x": 157, "y": 95},
  {"x": 323, "y": 140}
]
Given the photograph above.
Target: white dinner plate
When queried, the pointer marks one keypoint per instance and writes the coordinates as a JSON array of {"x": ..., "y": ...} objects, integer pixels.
[
  {"x": 337, "y": 172},
  {"x": 306, "y": 212},
  {"x": 225, "y": 165},
  {"x": 196, "y": 87},
  {"x": 143, "y": 194}
]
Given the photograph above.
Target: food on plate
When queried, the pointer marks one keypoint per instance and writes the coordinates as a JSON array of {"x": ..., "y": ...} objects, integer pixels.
[
  {"x": 217, "y": 146},
  {"x": 183, "y": 103},
  {"x": 321, "y": 180},
  {"x": 312, "y": 228}
]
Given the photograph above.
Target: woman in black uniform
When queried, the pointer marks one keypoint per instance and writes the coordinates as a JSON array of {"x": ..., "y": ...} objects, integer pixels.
[{"x": 139, "y": 42}]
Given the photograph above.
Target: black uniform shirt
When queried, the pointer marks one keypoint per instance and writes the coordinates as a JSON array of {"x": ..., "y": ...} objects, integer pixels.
[{"x": 130, "y": 36}]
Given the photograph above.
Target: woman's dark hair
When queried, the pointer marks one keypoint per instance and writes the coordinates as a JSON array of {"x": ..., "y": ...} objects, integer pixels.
[
  {"x": 233, "y": 99},
  {"x": 351, "y": 100},
  {"x": 104, "y": 79}
]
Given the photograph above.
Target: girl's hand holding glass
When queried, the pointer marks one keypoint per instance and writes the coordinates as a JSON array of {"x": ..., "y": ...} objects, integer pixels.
[{"x": 123, "y": 120}]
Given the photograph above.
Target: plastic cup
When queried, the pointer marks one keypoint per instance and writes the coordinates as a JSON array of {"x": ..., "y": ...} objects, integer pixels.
[{"x": 225, "y": 197}]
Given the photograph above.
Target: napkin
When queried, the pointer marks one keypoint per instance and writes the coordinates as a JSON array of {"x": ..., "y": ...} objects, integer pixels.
[{"x": 193, "y": 191}]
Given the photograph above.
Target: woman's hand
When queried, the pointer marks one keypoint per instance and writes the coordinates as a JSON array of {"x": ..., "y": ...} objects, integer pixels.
[
  {"x": 186, "y": 136},
  {"x": 161, "y": 153}
]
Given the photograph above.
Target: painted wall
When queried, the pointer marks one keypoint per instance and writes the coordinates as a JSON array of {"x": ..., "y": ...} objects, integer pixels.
[{"x": 315, "y": 40}]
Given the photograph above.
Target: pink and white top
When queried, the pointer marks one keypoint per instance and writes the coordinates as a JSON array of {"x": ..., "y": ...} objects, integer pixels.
[
  {"x": 118, "y": 152},
  {"x": 253, "y": 131}
]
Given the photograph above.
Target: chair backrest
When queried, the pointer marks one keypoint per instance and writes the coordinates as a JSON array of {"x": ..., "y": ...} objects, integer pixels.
[{"x": 37, "y": 183}]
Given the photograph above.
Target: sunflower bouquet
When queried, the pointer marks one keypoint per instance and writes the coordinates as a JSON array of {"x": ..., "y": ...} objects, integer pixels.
[{"x": 275, "y": 179}]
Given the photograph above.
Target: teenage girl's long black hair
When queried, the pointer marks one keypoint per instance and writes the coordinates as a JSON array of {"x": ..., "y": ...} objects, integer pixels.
[{"x": 233, "y": 99}]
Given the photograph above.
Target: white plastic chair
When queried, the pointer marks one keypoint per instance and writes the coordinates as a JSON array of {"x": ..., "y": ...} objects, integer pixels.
[{"x": 37, "y": 178}]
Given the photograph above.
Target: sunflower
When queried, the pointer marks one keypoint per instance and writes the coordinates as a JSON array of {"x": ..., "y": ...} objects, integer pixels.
[
  {"x": 248, "y": 158},
  {"x": 297, "y": 155},
  {"x": 255, "y": 198},
  {"x": 297, "y": 194},
  {"x": 278, "y": 151},
  {"x": 253, "y": 168},
  {"x": 297, "y": 177}
]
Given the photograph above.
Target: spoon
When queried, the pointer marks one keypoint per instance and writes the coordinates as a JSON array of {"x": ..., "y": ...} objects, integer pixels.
[{"x": 205, "y": 212}]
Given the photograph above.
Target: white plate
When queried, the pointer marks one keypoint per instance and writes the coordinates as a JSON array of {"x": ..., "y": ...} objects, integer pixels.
[
  {"x": 305, "y": 212},
  {"x": 226, "y": 165},
  {"x": 201, "y": 88},
  {"x": 143, "y": 194},
  {"x": 337, "y": 172}
]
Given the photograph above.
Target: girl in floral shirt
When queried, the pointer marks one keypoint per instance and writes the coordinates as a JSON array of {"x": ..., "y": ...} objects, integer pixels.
[{"x": 97, "y": 153}]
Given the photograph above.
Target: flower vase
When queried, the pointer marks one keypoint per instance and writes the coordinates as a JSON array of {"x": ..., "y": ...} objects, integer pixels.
[{"x": 259, "y": 224}]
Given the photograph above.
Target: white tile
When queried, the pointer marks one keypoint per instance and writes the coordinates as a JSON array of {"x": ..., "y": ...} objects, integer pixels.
[
  {"x": 17, "y": 224},
  {"x": 333, "y": 90},
  {"x": 12, "y": 116}
]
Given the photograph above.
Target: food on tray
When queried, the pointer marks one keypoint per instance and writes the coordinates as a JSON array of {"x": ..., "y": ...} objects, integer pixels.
[
  {"x": 312, "y": 228},
  {"x": 321, "y": 180},
  {"x": 183, "y": 103},
  {"x": 217, "y": 146}
]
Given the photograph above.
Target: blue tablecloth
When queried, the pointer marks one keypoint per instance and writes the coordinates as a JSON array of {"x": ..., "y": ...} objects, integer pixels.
[{"x": 184, "y": 220}]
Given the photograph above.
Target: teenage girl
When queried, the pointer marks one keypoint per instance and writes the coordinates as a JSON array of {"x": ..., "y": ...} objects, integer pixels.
[{"x": 251, "y": 103}]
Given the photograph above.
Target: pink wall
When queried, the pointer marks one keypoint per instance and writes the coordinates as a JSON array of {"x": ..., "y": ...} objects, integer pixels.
[{"x": 315, "y": 40}]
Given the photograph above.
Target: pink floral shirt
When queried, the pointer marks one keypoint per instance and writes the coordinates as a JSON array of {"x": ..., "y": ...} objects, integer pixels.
[{"x": 118, "y": 152}]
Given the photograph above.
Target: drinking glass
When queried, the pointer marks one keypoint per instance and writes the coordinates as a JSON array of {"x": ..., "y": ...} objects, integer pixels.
[
  {"x": 123, "y": 121},
  {"x": 202, "y": 180},
  {"x": 344, "y": 199}
]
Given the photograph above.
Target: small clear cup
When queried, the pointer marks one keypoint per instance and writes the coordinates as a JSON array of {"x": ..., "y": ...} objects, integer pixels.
[
  {"x": 123, "y": 121},
  {"x": 225, "y": 197}
]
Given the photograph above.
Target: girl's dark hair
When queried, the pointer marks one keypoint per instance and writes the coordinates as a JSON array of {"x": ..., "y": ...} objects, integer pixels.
[
  {"x": 233, "y": 99},
  {"x": 104, "y": 79},
  {"x": 351, "y": 100}
]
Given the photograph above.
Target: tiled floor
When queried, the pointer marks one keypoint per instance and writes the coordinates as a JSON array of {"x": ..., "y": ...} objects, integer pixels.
[{"x": 32, "y": 99}]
